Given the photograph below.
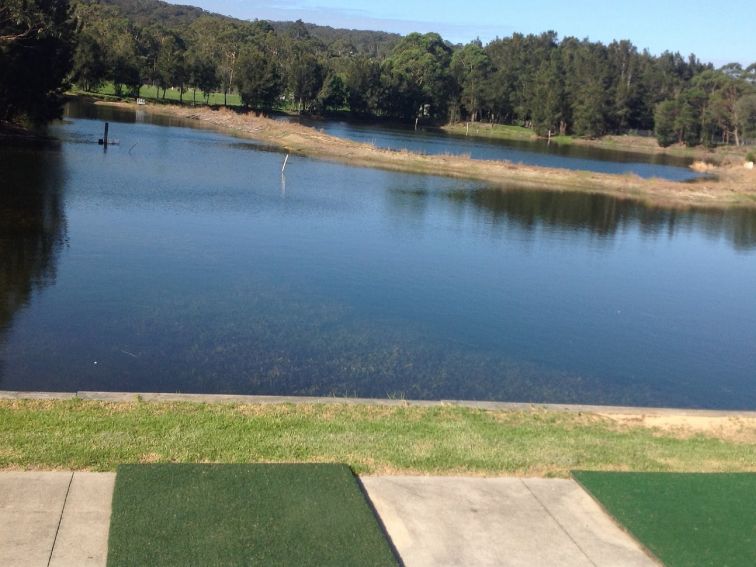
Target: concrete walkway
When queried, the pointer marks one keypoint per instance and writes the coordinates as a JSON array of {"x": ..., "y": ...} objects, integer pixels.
[
  {"x": 61, "y": 519},
  {"x": 499, "y": 521}
]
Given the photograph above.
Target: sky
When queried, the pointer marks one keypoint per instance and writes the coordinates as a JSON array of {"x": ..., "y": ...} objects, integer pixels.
[{"x": 716, "y": 33}]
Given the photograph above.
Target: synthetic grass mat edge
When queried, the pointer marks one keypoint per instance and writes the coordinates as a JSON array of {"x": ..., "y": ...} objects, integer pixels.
[
  {"x": 236, "y": 514},
  {"x": 682, "y": 518}
]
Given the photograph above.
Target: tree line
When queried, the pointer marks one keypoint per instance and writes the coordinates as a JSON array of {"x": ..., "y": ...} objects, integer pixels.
[{"x": 556, "y": 86}]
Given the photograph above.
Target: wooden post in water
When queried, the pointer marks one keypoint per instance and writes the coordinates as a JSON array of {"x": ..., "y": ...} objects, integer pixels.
[
  {"x": 105, "y": 138},
  {"x": 467, "y": 131},
  {"x": 416, "y": 119}
]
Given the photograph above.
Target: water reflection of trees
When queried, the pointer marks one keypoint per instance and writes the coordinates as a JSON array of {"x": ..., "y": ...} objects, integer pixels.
[
  {"x": 601, "y": 215},
  {"x": 32, "y": 226}
]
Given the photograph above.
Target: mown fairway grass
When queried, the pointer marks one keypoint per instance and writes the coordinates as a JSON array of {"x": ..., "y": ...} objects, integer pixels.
[
  {"x": 77, "y": 434},
  {"x": 214, "y": 515},
  {"x": 684, "y": 519},
  {"x": 150, "y": 92},
  {"x": 496, "y": 131}
]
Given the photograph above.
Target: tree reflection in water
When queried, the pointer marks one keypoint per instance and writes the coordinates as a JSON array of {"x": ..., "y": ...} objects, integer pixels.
[
  {"x": 599, "y": 215},
  {"x": 32, "y": 225}
]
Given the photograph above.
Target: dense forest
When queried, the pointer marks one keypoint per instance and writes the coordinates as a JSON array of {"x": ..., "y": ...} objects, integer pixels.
[{"x": 559, "y": 86}]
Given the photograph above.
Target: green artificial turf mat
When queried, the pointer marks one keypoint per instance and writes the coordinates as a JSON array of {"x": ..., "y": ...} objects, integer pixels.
[
  {"x": 684, "y": 519},
  {"x": 260, "y": 514}
]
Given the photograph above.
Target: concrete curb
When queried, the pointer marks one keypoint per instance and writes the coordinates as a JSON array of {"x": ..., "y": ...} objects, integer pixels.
[{"x": 255, "y": 399}]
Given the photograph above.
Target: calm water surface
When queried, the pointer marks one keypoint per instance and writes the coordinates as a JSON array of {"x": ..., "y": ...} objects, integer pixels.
[
  {"x": 181, "y": 260},
  {"x": 527, "y": 152}
]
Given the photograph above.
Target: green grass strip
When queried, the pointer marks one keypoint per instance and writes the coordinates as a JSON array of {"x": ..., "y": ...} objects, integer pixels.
[
  {"x": 99, "y": 436},
  {"x": 264, "y": 514},
  {"x": 684, "y": 519},
  {"x": 150, "y": 92}
]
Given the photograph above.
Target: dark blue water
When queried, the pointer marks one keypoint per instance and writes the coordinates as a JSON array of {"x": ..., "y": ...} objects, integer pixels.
[
  {"x": 181, "y": 260},
  {"x": 526, "y": 152}
]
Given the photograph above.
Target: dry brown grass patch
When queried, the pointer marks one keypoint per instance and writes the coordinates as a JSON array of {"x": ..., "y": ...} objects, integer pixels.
[{"x": 681, "y": 426}]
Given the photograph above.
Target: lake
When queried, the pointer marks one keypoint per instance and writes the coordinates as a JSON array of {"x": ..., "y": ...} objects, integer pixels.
[{"x": 182, "y": 260}]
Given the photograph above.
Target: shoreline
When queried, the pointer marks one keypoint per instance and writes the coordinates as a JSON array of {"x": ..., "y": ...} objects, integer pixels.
[
  {"x": 378, "y": 437},
  {"x": 725, "y": 187},
  {"x": 621, "y": 143},
  {"x": 607, "y": 410}
]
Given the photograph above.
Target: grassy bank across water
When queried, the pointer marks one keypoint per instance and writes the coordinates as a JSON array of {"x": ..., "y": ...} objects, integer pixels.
[
  {"x": 94, "y": 435},
  {"x": 171, "y": 95},
  {"x": 490, "y": 131},
  {"x": 623, "y": 143},
  {"x": 730, "y": 186}
]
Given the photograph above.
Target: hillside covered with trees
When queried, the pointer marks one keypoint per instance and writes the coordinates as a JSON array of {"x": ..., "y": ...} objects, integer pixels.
[{"x": 558, "y": 85}]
